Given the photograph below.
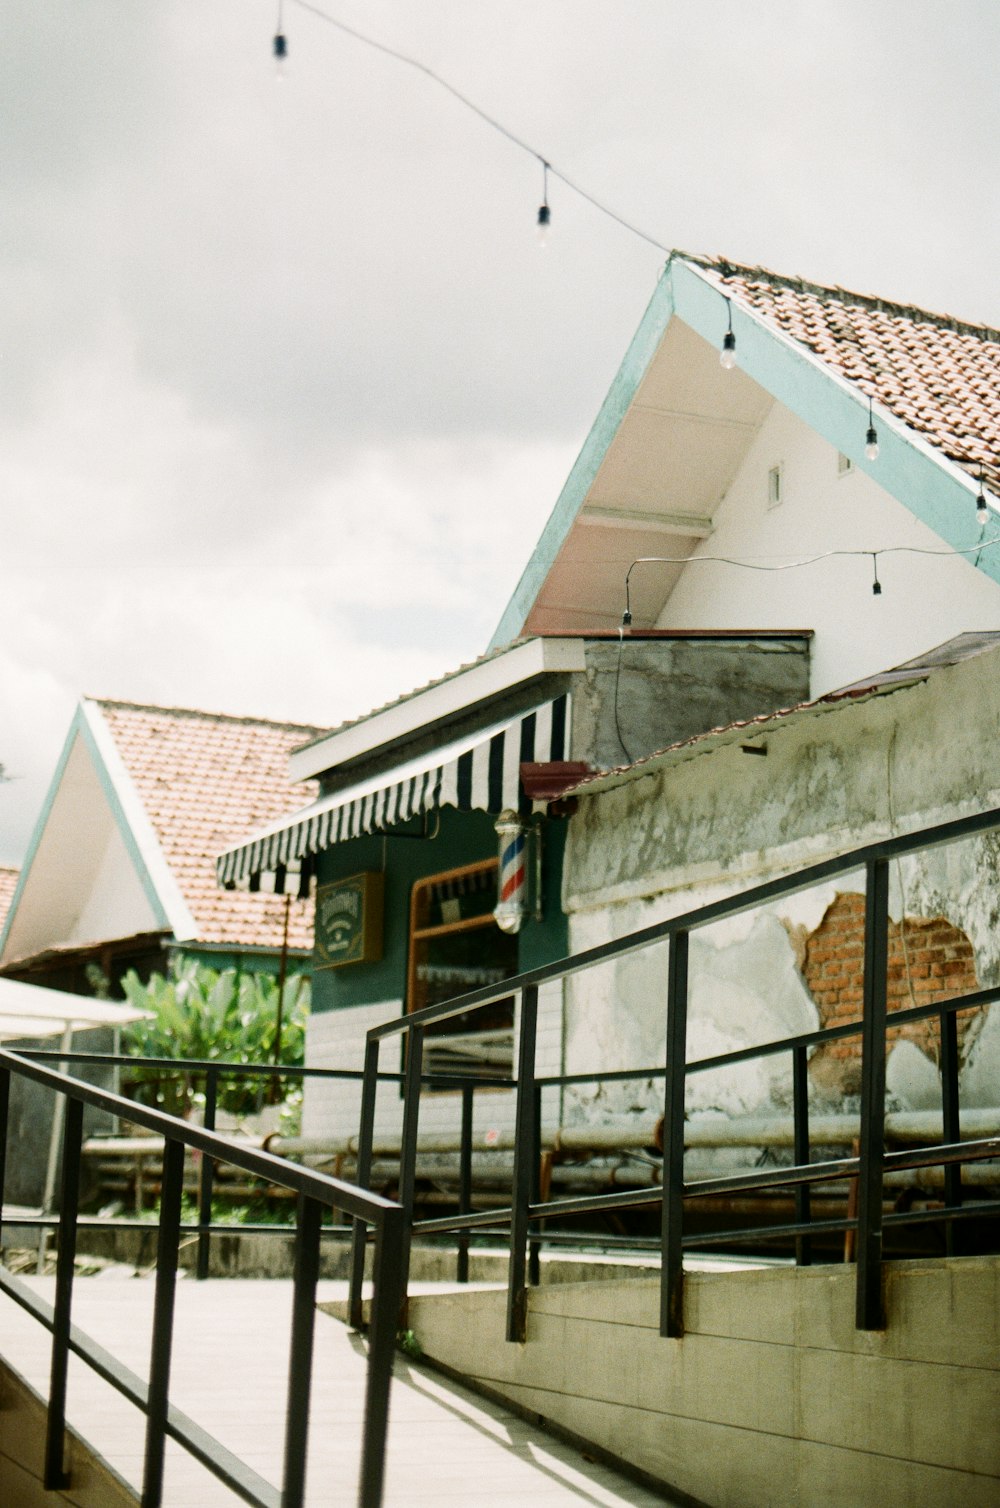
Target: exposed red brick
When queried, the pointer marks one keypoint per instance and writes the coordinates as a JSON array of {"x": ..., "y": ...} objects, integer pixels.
[
  {"x": 8, "y": 884},
  {"x": 928, "y": 960}
]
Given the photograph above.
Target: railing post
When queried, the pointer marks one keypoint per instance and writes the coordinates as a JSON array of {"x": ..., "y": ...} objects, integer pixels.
[
  {"x": 69, "y": 1198},
  {"x": 388, "y": 1288},
  {"x": 4, "y": 1120},
  {"x": 301, "y": 1351},
  {"x": 951, "y": 1122},
  {"x": 408, "y": 1144},
  {"x": 525, "y": 1155},
  {"x": 869, "y": 1309},
  {"x": 366, "y": 1137},
  {"x": 535, "y": 1246},
  {"x": 800, "y": 1155},
  {"x": 207, "y": 1178},
  {"x": 465, "y": 1182},
  {"x": 672, "y": 1223},
  {"x": 171, "y": 1191}
]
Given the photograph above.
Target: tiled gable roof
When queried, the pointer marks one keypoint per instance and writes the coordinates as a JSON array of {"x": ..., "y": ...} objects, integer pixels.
[
  {"x": 8, "y": 884},
  {"x": 205, "y": 781},
  {"x": 939, "y": 375}
]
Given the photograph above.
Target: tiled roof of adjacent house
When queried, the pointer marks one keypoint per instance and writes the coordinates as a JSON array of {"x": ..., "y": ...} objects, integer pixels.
[
  {"x": 939, "y": 375},
  {"x": 206, "y": 780},
  {"x": 8, "y": 884}
]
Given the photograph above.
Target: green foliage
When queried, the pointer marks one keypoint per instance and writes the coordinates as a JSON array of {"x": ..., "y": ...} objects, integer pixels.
[
  {"x": 227, "y": 1017},
  {"x": 409, "y": 1345}
]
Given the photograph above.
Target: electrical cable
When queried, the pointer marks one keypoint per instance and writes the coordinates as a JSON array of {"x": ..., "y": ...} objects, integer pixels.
[
  {"x": 618, "y": 676},
  {"x": 757, "y": 562},
  {"x": 484, "y": 115}
]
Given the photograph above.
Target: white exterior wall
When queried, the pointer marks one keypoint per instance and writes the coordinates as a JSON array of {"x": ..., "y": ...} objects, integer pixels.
[
  {"x": 679, "y": 837},
  {"x": 116, "y": 905},
  {"x": 336, "y": 1039},
  {"x": 84, "y": 886},
  {"x": 925, "y": 599}
]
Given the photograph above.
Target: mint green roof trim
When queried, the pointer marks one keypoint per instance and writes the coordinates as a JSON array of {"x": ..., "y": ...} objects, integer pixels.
[
  {"x": 934, "y": 489},
  {"x": 170, "y": 910},
  {"x": 137, "y": 832},
  {"x": 633, "y": 369}
]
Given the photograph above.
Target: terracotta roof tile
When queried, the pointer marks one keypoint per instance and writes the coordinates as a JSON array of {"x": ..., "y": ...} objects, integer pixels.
[
  {"x": 8, "y": 884},
  {"x": 206, "y": 780},
  {"x": 939, "y": 375}
]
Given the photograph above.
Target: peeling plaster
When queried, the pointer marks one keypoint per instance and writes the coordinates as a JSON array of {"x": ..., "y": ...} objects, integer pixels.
[{"x": 689, "y": 832}]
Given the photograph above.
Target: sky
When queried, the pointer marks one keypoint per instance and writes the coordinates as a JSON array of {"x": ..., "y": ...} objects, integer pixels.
[{"x": 287, "y": 387}]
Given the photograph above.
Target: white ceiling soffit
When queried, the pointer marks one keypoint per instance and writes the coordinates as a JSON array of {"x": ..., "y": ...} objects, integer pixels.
[{"x": 668, "y": 465}]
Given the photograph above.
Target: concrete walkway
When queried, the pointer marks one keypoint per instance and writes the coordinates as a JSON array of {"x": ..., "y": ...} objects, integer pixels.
[{"x": 446, "y": 1445}]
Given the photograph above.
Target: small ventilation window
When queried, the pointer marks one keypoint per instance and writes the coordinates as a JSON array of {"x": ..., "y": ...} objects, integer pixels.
[
  {"x": 775, "y": 487},
  {"x": 844, "y": 464}
]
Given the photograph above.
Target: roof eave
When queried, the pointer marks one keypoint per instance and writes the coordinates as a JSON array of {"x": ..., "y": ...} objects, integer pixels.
[
  {"x": 474, "y": 686},
  {"x": 934, "y": 488}
]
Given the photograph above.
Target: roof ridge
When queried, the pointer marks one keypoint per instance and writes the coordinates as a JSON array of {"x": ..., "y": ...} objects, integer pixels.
[
  {"x": 198, "y": 712},
  {"x": 726, "y": 268}
]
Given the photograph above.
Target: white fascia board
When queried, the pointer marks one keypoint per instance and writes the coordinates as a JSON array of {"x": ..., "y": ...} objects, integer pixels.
[
  {"x": 636, "y": 362},
  {"x": 466, "y": 689},
  {"x": 137, "y": 831}
]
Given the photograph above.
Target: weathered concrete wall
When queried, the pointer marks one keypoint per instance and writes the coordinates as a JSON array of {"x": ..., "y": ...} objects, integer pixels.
[
  {"x": 671, "y": 689},
  {"x": 772, "y": 1396},
  {"x": 31, "y": 1111},
  {"x": 686, "y": 832}
]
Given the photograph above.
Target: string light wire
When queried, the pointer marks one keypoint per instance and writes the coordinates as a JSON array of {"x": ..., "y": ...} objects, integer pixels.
[
  {"x": 484, "y": 115},
  {"x": 768, "y": 563}
]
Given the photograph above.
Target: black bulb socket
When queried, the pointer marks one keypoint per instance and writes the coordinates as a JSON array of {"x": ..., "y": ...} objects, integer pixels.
[{"x": 280, "y": 46}]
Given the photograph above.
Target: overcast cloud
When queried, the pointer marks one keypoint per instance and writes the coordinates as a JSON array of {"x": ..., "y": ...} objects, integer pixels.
[{"x": 287, "y": 389}]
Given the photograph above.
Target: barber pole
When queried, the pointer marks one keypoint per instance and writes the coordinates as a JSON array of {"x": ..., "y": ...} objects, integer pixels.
[{"x": 512, "y": 905}]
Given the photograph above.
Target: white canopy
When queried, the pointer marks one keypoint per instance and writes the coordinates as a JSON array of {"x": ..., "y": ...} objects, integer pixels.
[{"x": 28, "y": 1010}]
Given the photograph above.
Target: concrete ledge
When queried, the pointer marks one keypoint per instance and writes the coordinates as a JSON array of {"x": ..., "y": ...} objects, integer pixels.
[
  {"x": 92, "y": 1482},
  {"x": 772, "y": 1396}
]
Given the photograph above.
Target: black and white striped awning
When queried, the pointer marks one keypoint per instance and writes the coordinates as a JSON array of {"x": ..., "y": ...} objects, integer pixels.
[{"x": 479, "y": 772}]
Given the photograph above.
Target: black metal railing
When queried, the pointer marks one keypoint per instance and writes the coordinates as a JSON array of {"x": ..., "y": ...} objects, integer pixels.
[
  {"x": 315, "y": 1192},
  {"x": 212, "y": 1072},
  {"x": 869, "y": 1166}
]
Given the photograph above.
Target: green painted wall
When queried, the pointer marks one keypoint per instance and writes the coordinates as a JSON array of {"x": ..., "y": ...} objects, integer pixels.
[
  {"x": 244, "y": 962},
  {"x": 463, "y": 838},
  {"x": 543, "y": 942}
]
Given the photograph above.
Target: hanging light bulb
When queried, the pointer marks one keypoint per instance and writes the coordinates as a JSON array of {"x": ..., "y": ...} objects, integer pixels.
[
  {"x": 871, "y": 438},
  {"x": 982, "y": 508},
  {"x": 279, "y": 46},
  {"x": 727, "y": 356},
  {"x": 544, "y": 224}
]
